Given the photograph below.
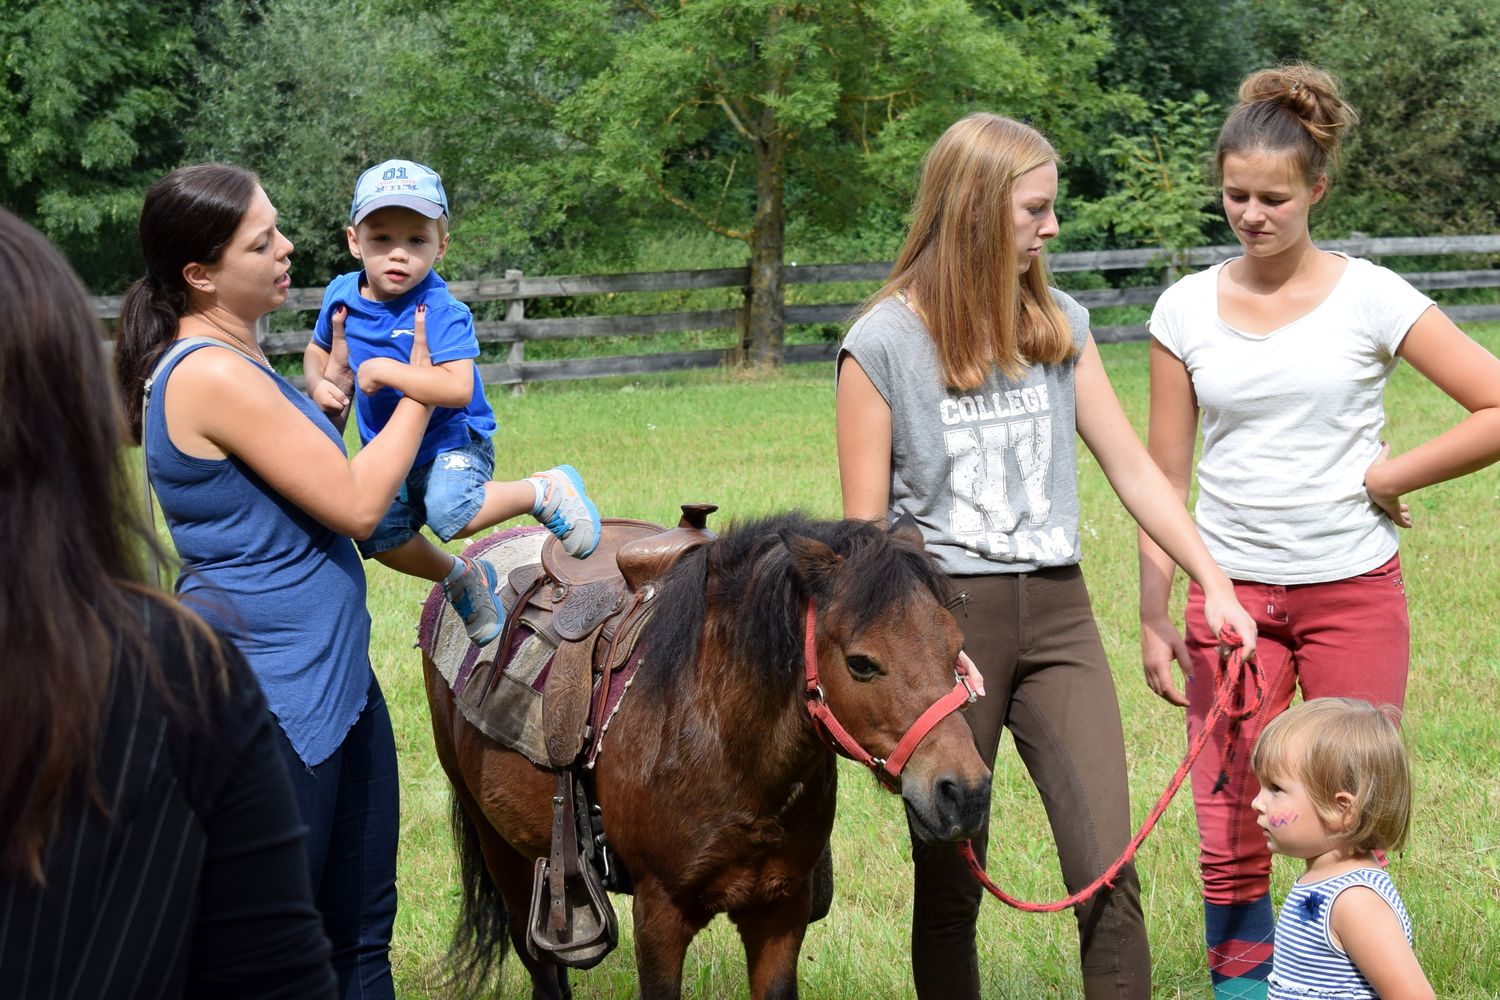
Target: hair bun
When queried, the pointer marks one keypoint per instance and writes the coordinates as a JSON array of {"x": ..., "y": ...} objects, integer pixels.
[
  {"x": 1285, "y": 87},
  {"x": 1310, "y": 93}
]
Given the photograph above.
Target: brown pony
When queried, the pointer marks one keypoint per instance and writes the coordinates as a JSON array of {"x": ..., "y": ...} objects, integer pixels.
[{"x": 716, "y": 791}]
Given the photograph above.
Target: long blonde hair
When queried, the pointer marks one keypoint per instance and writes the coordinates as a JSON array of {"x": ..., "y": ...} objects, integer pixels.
[{"x": 959, "y": 258}]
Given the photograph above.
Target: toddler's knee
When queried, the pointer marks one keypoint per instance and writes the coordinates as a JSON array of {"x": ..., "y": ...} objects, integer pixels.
[{"x": 451, "y": 513}]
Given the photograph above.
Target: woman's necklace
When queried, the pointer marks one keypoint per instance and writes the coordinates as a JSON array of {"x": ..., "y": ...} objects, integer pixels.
[{"x": 254, "y": 351}]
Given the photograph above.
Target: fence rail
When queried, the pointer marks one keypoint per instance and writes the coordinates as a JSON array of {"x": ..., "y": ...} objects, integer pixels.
[{"x": 516, "y": 288}]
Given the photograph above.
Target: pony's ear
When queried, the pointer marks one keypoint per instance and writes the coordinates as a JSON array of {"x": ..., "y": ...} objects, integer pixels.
[
  {"x": 905, "y": 529},
  {"x": 814, "y": 563}
]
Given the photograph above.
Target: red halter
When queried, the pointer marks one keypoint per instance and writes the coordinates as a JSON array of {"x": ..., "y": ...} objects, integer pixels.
[{"x": 837, "y": 737}]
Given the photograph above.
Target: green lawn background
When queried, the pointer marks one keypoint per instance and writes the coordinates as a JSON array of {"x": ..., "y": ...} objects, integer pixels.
[{"x": 767, "y": 444}]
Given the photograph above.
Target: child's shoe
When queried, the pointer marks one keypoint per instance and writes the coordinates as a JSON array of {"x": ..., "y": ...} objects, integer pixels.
[
  {"x": 473, "y": 597},
  {"x": 567, "y": 511}
]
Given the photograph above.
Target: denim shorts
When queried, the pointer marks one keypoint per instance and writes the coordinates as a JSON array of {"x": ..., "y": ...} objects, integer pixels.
[{"x": 444, "y": 494}]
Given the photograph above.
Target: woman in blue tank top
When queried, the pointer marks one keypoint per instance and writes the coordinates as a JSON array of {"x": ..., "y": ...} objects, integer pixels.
[{"x": 261, "y": 500}]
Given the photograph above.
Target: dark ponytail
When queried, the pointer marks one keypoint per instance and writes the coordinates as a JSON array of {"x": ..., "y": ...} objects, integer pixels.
[
  {"x": 1296, "y": 109},
  {"x": 189, "y": 217}
]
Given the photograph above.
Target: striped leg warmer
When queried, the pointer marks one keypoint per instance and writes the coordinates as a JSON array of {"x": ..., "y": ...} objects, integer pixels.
[{"x": 1239, "y": 938}]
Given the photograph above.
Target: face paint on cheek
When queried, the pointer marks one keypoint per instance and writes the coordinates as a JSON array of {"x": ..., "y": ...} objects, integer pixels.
[{"x": 1281, "y": 819}]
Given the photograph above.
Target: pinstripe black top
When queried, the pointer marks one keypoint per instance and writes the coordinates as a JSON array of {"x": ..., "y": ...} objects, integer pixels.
[{"x": 195, "y": 884}]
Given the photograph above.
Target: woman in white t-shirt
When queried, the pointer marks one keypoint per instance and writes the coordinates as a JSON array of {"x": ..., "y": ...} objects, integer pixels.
[{"x": 1286, "y": 351}]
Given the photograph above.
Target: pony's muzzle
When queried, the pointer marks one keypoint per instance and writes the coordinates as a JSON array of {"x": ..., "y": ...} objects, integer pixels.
[{"x": 950, "y": 809}]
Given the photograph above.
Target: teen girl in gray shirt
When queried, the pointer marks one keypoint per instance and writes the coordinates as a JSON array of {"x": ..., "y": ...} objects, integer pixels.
[{"x": 959, "y": 392}]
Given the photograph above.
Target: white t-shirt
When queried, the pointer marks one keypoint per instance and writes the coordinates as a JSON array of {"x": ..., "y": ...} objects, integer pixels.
[{"x": 1291, "y": 421}]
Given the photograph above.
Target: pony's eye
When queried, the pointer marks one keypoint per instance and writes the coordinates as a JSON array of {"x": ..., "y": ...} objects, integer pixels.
[{"x": 862, "y": 667}]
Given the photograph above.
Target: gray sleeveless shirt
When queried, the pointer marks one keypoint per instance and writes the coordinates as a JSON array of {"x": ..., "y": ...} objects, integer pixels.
[{"x": 989, "y": 474}]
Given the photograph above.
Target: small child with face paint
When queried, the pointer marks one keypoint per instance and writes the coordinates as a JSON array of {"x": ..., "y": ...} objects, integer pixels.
[
  {"x": 366, "y": 329},
  {"x": 1335, "y": 789}
]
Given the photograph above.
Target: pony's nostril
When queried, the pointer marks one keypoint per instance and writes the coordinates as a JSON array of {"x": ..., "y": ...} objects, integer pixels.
[
  {"x": 949, "y": 801},
  {"x": 961, "y": 806}
]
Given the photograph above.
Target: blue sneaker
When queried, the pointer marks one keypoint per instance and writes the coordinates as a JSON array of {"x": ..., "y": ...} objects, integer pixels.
[
  {"x": 473, "y": 597},
  {"x": 567, "y": 511}
]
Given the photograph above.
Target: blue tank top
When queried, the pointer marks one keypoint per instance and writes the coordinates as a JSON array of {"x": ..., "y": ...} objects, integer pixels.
[{"x": 290, "y": 592}]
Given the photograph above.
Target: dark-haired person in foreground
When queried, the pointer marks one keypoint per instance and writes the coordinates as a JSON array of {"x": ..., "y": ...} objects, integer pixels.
[{"x": 149, "y": 842}]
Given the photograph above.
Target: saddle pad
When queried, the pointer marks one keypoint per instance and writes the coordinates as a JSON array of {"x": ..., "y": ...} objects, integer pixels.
[
  {"x": 509, "y": 711},
  {"x": 511, "y": 714}
]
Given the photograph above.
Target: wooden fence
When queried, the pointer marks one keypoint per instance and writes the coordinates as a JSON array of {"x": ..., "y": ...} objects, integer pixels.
[{"x": 516, "y": 330}]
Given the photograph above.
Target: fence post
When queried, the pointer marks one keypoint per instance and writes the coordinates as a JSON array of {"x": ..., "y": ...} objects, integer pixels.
[
  {"x": 742, "y": 321},
  {"x": 515, "y": 311}
]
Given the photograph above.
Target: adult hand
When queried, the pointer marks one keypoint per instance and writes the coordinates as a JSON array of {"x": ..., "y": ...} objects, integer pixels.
[
  {"x": 966, "y": 668},
  {"x": 1161, "y": 644},
  {"x": 337, "y": 370},
  {"x": 1223, "y": 609},
  {"x": 419, "y": 356},
  {"x": 1382, "y": 497},
  {"x": 337, "y": 381}
]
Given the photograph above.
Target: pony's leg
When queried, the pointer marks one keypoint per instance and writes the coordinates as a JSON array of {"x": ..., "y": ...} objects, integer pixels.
[
  {"x": 662, "y": 935},
  {"x": 511, "y": 873},
  {"x": 772, "y": 935}
]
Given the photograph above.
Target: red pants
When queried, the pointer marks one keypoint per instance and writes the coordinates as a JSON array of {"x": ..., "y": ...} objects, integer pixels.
[{"x": 1348, "y": 638}]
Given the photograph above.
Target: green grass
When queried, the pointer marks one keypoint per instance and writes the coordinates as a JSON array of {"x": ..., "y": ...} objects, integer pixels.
[{"x": 768, "y": 444}]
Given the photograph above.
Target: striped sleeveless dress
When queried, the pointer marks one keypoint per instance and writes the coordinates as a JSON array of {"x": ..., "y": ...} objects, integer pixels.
[{"x": 1306, "y": 965}]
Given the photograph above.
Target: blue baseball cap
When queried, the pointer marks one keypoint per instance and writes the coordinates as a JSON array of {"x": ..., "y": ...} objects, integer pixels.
[{"x": 401, "y": 183}]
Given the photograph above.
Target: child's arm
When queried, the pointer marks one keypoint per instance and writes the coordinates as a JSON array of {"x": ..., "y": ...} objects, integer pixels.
[
  {"x": 448, "y": 384},
  {"x": 327, "y": 374},
  {"x": 1366, "y": 927}
]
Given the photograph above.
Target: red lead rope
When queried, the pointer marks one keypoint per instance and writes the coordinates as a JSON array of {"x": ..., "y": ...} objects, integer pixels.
[{"x": 1230, "y": 701}]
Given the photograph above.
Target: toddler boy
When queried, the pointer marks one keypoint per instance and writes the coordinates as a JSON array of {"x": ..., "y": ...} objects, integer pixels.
[{"x": 361, "y": 348}]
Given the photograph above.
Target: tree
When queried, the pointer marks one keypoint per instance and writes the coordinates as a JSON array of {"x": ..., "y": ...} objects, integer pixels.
[
  {"x": 530, "y": 195},
  {"x": 738, "y": 112},
  {"x": 1159, "y": 195},
  {"x": 1171, "y": 50},
  {"x": 470, "y": 89},
  {"x": 91, "y": 92},
  {"x": 1425, "y": 158},
  {"x": 277, "y": 103}
]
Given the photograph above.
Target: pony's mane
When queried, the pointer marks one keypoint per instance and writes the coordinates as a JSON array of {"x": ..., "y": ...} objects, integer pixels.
[{"x": 746, "y": 576}]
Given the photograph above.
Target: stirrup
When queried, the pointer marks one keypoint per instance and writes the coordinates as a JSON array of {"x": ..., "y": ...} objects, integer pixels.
[{"x": 572, "y": 921}]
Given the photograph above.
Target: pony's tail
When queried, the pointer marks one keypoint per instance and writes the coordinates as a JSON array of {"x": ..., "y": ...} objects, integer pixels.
[{"x": 483, "y": 935}]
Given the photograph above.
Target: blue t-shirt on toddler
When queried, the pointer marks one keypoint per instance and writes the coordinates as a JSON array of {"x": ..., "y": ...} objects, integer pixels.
[{"x": 384, "y": 330}]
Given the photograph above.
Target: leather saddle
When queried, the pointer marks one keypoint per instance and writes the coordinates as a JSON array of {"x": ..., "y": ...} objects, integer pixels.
[
  {"x": 579, "y": 594},
  {"x": 592, "y": 611}
]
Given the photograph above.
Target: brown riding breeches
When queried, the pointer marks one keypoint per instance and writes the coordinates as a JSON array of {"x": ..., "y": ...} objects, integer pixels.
[{"x": 1033, "y": 637}]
